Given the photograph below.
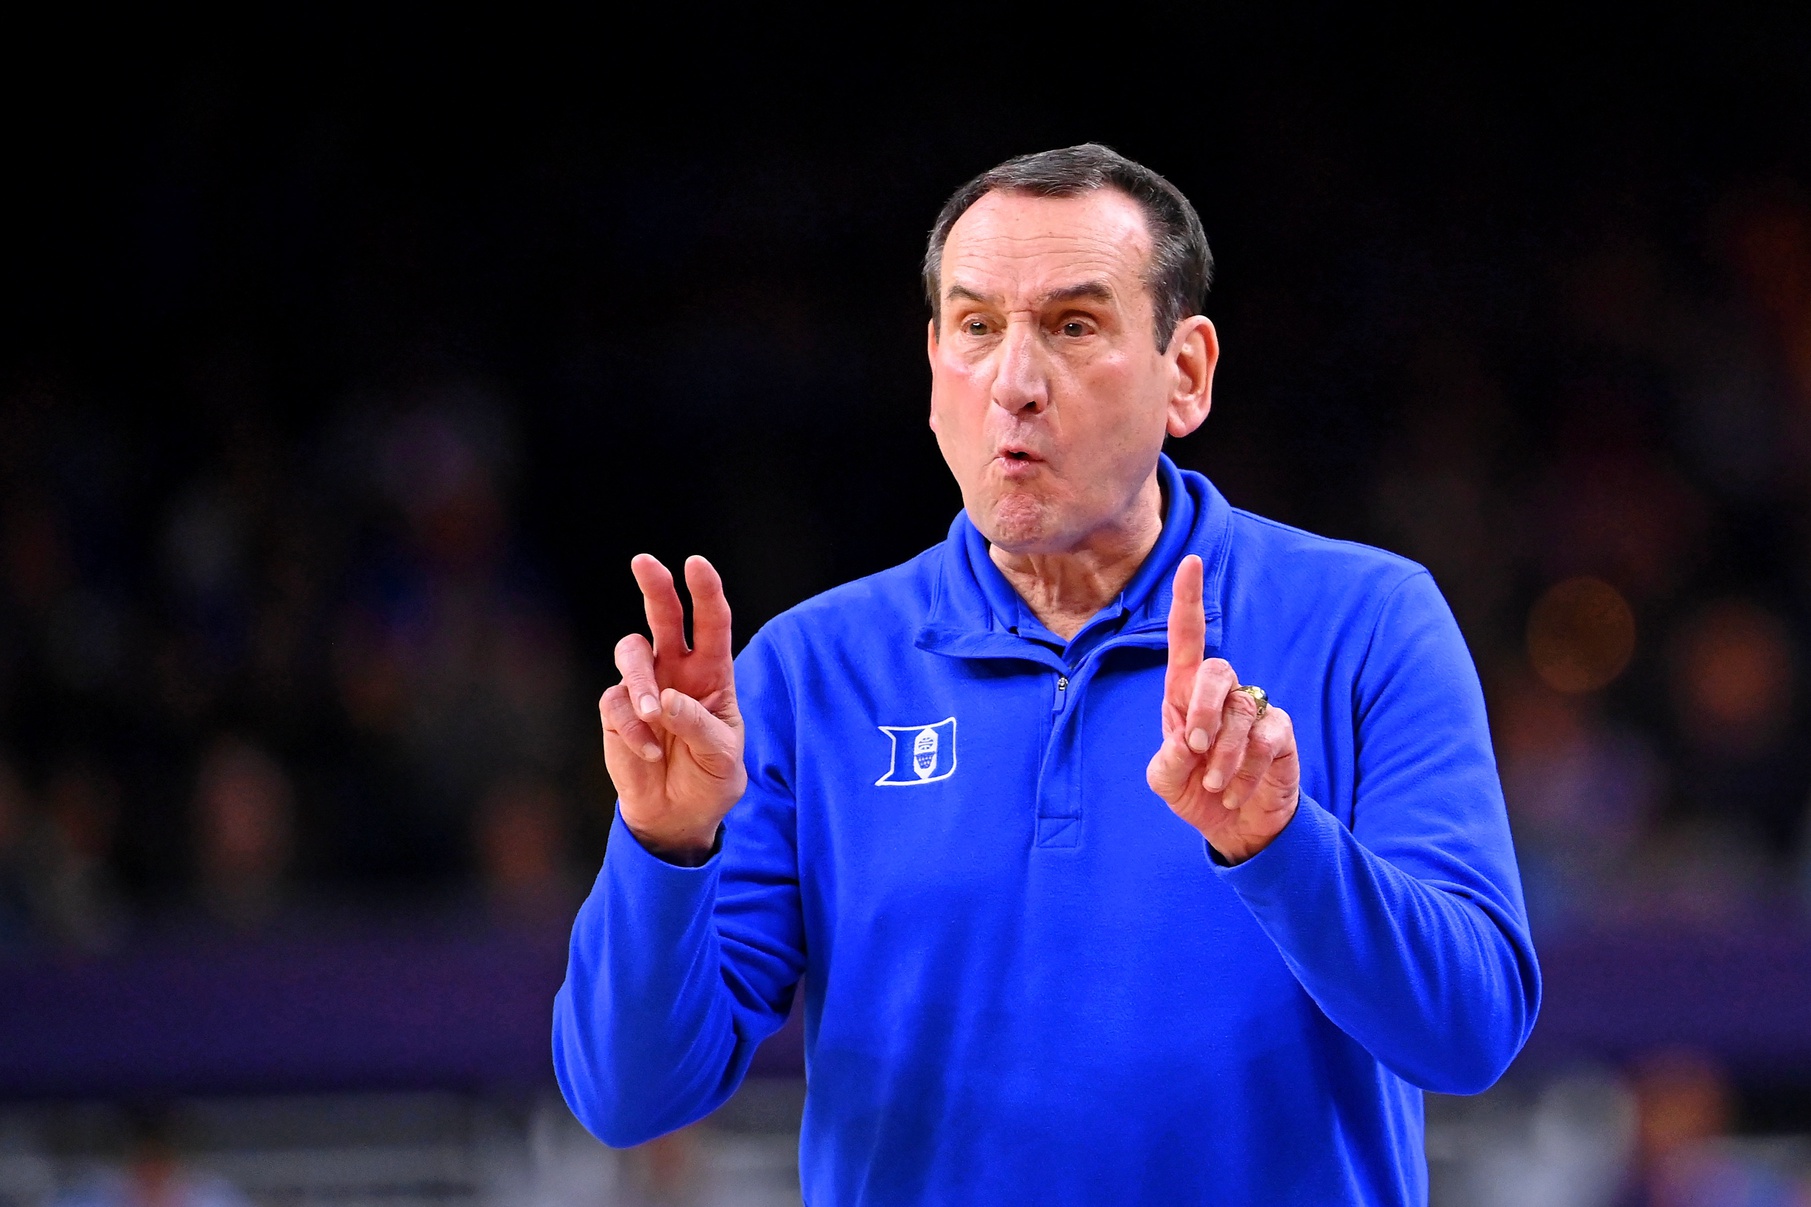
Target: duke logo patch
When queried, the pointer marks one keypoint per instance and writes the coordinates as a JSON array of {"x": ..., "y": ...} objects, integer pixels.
[{"x": 922, "y": 754}]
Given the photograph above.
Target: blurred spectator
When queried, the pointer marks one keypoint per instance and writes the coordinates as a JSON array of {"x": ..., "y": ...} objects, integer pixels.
[
  {"x": 1438, "y": 498},
  {"x": 1684, "y": 1109},
  {"x": 15, "y": 890},
  {"x": 1613, "y": 507},
  {"x": 153, "y": 1175},
  {"x": 1767, "y": 236},
  {"x": 77, "y": 896},
  {"x": 1743, "y": 766},
  {"x": 244, "y": 832},
  {"x": 448, "y": 655},
  {"x": 667, "y": 1169},
  {"x": 1581, "y": 792},
  {"x": 523, "y": 854}
]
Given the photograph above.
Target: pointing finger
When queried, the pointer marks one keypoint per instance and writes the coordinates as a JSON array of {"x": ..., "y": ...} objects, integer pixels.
[
  {"x": 1188, "y": 633},
  {"x": 635, "y": 660},
  {"x": 666, "y": 617},
  {"x": 710, "y": 610}
]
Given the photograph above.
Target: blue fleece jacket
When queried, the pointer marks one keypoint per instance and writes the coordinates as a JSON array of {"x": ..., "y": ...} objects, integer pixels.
[{"x": 1026, "y": 981}]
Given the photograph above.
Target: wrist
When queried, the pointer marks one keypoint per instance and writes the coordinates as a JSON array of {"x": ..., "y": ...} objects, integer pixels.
[
  {"x": 683, "y": 848},
  {"x": 1230, "y": 851}
]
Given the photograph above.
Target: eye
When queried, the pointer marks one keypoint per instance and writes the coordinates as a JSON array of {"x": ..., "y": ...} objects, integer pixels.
[
  {"x": 975, "y": 327},
  {"x": 1075, "y": 328}
]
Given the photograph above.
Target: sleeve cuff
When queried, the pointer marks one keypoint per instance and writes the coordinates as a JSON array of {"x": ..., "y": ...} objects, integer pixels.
[
  {"x": 639, "y": 858},
  {"x": 1304, "y": 846}
]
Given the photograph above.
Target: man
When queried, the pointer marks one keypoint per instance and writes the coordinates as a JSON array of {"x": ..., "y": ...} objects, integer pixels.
[{"x": 929, "y": 794}]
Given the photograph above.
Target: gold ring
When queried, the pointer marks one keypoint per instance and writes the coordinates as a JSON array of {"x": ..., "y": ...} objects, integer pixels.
[{"x": 1258, "y": 696}]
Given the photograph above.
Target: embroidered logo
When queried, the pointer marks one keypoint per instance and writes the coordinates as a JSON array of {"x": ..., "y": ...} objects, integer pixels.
[{"x": 922, "y": 754}]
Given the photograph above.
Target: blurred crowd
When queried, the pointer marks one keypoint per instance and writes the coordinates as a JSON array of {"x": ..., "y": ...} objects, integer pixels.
[
  {"x": 1633, "y": 569},
  {"x": 253, "y": 667},
  {"x": 249, "y": 674}
]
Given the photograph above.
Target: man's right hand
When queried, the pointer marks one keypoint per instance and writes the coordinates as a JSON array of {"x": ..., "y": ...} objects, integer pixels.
[{"x": 672, "y": 733}]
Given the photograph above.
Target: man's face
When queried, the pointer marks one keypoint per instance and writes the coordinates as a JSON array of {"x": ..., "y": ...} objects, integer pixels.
[{"x": 1049, "y": 395}]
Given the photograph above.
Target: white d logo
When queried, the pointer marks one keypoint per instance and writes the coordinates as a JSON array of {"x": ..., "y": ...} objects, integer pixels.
[{"x": 922, "y": 754}]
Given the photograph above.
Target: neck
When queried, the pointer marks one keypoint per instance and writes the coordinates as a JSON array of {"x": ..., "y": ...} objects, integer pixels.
[{"x": 1065, "y": 590}]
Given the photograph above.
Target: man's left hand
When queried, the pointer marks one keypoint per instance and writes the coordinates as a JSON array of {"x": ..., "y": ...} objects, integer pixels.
[{"x": 1227, "y": 771}]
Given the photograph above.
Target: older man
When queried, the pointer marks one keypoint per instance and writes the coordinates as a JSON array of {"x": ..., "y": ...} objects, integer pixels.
[{"x": 929, "y": 794}]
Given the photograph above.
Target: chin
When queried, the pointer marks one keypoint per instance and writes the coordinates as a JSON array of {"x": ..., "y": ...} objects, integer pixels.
[{"x": 1018, "y": 523}]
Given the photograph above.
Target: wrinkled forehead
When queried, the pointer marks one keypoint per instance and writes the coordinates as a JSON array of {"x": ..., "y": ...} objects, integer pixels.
[{"x": 1018, "y": 247}]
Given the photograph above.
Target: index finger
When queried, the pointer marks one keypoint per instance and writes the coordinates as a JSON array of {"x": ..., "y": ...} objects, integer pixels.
[
  {"x": 666, "y": 618},
  {"x": 1188, "y": 632}
]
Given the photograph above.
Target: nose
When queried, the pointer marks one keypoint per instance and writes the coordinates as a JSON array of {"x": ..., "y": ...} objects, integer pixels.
[{"x": 1021, "y": 379}]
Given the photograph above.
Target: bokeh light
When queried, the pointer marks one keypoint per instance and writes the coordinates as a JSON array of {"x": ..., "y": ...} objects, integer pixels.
[{"x": 1581, "y": 634}]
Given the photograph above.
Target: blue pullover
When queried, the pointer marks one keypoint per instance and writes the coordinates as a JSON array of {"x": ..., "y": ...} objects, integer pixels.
[{"x": 1026, "y": 980}]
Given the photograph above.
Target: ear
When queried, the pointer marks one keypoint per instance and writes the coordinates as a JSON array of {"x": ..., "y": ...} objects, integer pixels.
[
  {"x": 1194, "y": 351},
  {"x": 930, "y": 354}
]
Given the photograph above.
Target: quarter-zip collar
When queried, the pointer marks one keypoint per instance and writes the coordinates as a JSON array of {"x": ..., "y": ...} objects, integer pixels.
[{"x": 977, "y": 614}]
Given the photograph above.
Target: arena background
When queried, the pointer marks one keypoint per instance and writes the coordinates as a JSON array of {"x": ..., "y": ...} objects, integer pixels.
[{"x": 343, "y": 373}]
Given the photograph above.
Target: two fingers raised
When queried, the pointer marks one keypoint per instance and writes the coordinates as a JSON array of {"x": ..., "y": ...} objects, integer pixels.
[{"x": 641, "y": 710}]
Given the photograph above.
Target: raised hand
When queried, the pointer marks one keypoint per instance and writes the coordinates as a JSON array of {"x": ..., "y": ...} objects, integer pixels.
[
  {"x": 672, "y": 733},
  {"x": 1228, "y": 772}
]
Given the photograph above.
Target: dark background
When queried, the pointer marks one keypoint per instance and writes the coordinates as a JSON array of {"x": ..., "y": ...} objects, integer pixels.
[{"x": 340, "y": 376}]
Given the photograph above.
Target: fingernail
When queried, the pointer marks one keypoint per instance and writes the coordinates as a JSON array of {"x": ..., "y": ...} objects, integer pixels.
[
  {"x": 673, "y": 705},
  {"x": 1197, "y": 740},
  {"x": 649, "y": 706},
  {"x": 1214, "y": 781},
  {"x": 651, "y": 752}
]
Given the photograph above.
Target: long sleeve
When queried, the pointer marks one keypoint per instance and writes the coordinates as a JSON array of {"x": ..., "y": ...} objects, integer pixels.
[
  {"x": 1408, "y": 928},
  {"x": 675, "y": 975}
]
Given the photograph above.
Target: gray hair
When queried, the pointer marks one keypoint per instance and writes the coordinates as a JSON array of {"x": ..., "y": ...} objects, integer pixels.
[{"x": 1181, "y": 266}]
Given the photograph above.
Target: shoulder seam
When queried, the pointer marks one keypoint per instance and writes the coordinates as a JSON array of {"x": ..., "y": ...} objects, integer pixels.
[
  {"x": 1377, "y": 621},
  {"x": 1330, "y": 540}
]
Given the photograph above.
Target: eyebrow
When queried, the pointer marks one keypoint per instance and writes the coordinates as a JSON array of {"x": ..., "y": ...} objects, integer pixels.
[{"x": 1089, "y": 291}]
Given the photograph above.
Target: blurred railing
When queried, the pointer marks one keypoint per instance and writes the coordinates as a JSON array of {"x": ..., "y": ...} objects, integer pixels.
[{"x": 469, "y": 1009}]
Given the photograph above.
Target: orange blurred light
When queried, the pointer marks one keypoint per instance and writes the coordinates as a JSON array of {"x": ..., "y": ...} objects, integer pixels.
[{"x": 1581, "y": 635}]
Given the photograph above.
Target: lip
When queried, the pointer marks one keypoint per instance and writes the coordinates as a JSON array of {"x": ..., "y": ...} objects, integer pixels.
[{"x": 1022, "y": 465}]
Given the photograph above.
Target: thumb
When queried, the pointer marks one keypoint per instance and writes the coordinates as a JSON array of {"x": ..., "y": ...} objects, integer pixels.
[{"x": 711, "y": 741}]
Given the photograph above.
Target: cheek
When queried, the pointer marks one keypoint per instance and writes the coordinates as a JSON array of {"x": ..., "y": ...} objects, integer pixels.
[
  {"x": 956, "y": 398},
  {"x": 1130, "y": 403}
]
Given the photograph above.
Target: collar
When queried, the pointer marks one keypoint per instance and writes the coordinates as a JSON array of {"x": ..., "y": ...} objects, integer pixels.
[{"x": 976, "y": 613}]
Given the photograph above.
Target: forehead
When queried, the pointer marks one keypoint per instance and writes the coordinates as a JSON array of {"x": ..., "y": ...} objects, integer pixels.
[{"x": 1017, "y": 246}]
